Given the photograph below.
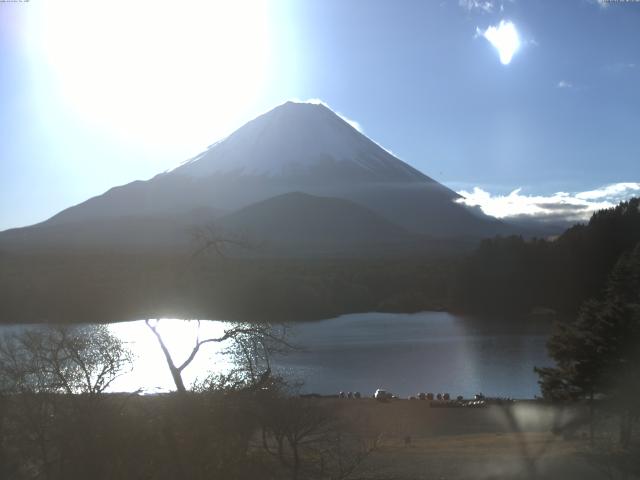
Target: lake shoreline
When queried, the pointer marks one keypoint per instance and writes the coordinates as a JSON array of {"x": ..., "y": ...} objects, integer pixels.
[{"x": 403, "y": 353}]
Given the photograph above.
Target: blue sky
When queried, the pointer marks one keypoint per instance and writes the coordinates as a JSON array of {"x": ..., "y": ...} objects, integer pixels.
[{"x": 98, "y": 94}]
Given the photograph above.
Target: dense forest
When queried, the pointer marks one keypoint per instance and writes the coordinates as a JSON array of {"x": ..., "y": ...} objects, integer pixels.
[
  {"x": 502, "y": 276},
  {"x": 106, "y": 287},
  {"x": 513, "y": 275}
]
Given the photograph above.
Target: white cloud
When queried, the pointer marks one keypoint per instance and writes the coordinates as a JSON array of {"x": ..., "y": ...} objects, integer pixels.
[
  {"x": 504, "y": 37},
  {"x": 564, "y": 84},
  {"x": 560, "y": 206},
  {"x": 483, "y": 5},
  {"x": 615, "y": 190}
]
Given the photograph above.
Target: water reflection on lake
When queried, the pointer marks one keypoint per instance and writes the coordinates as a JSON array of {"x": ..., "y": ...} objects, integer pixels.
[
  {"x": 428, "y": 351},
  {"x": 405, "y": 353}
]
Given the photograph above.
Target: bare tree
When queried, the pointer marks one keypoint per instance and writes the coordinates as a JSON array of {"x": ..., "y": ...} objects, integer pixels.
[
  {"x": 63, "y": 359},
  {"x": 309, "y": 440},
  {"x": 56, "y": 377},
  {"x": 260, "y": 337},
  {"x": 290, "y": 426},
  {"x": 345, "y": 452},
  {"x": 252, "y": 343}
]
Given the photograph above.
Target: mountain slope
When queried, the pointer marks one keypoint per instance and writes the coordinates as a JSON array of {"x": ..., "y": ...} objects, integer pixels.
[
  {"x": 298, "y": 219},
  {"x": 301, "y": 141},
  {"x": 295, "y": 147}
]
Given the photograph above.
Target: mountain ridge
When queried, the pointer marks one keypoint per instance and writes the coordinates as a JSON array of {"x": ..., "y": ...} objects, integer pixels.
[
  {"x": 296, "y": 218},
  {"x": 296, "y": 147}
]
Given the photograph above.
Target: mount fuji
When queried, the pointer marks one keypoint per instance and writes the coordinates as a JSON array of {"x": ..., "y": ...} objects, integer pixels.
[{"x": 247, "y": 181}]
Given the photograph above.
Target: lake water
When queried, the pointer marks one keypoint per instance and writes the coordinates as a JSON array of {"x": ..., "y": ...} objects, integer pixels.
[
  {"x": 404, "y": 353},
  {"x": 424, "y": 352}
]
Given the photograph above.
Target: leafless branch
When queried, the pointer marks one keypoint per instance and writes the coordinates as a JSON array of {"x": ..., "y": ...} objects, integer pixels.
[{"x": 211, "y": 238}]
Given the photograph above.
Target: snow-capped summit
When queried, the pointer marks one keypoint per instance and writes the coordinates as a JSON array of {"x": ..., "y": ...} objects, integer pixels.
[{"x": 297, "y": 139}]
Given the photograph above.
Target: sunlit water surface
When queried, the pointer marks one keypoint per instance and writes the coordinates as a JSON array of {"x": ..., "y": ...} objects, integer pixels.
[{"x": 404, "y": 353}]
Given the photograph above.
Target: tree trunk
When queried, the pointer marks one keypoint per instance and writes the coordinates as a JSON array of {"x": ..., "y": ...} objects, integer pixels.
[
  {"x": 174, "y": 449},
  {"x": 296, "y": 461},
  {"x": 175, "y": 371},
  {"x": 591, "y": 419},
  {"x": 625, "y": 428},
  {"x": 177, "y": 379}
]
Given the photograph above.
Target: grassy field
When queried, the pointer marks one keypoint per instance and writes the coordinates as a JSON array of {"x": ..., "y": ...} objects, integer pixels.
[
  {"x": 248, "y": 435},
  {"x": 496, "y": 442}
]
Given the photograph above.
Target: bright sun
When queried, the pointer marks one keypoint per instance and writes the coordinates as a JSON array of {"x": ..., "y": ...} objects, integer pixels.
[
  {"x": 146, "y": 69},
  {"x": 505, "y": 39}
]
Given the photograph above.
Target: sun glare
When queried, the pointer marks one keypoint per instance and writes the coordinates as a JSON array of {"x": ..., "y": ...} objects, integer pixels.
[
  {"x": 145, "y": 70},
  {"x": 505, "y": 39},
  {"x": 150, "y": 371}
]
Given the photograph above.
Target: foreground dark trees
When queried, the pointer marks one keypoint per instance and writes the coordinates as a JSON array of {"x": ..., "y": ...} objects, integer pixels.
[
  {"x": 57, "y": 422},
  {"x": 598, "y": 359},
  {"x": 310, "y": 441},
  {"x": 226, "y": 434},
  {"x": 52, "y": 388}
]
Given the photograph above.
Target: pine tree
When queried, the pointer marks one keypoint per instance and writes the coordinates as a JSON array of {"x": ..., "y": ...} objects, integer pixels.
[{"x": 598, "y": 355}]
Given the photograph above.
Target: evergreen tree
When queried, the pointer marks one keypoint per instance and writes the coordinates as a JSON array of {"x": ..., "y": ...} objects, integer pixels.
[{"x": 598, "y": 355}]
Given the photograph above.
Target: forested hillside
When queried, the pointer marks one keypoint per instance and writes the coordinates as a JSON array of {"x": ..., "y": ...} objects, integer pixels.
[
  {"x": 509, "y": 274},
  {"x": 74, "y": 287},
  {"x": 503, "y": 276}
]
